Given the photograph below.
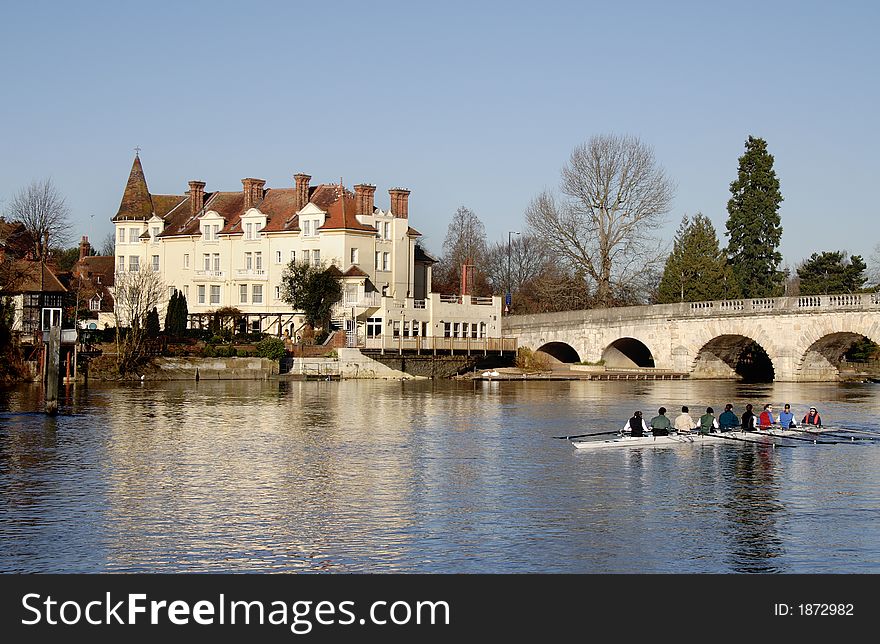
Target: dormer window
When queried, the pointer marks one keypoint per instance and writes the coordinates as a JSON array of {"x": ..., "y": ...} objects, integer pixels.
[
  {"x": 249, "y": 231},
  {"x": 95, "y": 304},
  {"x": 307, "y": 228},
  {"x": 154, "y": 233},
  {"x": 210, "y": 231}
]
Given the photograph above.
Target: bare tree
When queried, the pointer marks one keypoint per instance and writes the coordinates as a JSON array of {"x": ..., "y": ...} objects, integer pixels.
[
  {"x": 135, "y": 295},
  {"x": 874, "y": 266},
  {"x": 514, "y": 265},
  {"x": 108, "y": 246},
  {"x": 612, "y": 198},
  {"x": 465, "y": 244},
  {"x": 42, "y": 211}
]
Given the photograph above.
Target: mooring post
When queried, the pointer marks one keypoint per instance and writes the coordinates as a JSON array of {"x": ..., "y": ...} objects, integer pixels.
[{"x": 53, "y": 360}]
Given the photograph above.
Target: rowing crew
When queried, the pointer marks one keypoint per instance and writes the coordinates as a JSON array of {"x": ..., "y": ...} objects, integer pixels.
[{"x": 660, "y": 424}]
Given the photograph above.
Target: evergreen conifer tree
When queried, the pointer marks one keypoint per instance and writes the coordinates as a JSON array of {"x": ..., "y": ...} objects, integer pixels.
[
  {"x": 170, "y": 314},
  {"x": 830, "y": 272},
  {"x": 753, "y": 225},
  {"x": 152, "y": 324},
  {"x": 697, "y": 269},
  {"x": 181, "y": 315}
]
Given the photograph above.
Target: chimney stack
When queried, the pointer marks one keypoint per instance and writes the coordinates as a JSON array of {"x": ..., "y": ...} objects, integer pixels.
[
  {"x": 253, "y": 191},
  {"x": 363, "y": 198},
  {"x": 196, "y": 197},
  {"x": 399, "y": 202},
  {"x": 302, "y": 190},
  {"x": 85, "y": 248}
]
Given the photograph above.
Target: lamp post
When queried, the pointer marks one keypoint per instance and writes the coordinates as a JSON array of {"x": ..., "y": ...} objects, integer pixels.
[{"x": 507, "y": 302}]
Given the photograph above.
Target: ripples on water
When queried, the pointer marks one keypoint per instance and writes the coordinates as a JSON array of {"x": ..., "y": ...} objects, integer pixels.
[{"x": 376, "y": 476}]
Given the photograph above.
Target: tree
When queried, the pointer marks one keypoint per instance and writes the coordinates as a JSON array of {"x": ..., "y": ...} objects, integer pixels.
[
  {"x": 697, "y": 269},
  {"x": 135, "y": 295},
  {"x": 65, "y": 258},
  {"x": 874, "y": 274},
  {"x": 612, "y": 198},
  {"x": 108, "y": 246},
  {"x": 312, "y": 290},
  {"x": 831, "y": 272},
  {"x": 515, "y": 265},
  {"x": 465, "y": 243},
  {"x": 45, "y": 216},
  {"x": 171, "y": 313},
  {"x": 152, "y": 324},
  {"x": 753, "y": 224}
]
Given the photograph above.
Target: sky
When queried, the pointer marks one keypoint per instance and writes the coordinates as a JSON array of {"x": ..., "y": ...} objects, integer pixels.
[{"x": 475, "y": 104}]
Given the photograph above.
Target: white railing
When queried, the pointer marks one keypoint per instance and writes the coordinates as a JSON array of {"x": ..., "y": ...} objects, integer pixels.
[
  {"x": 451, "y": 299},
  {"x": 481, "y": 301},
  {"x": 418, "y": 304},
  {"x": 367, "y": 300},
  {"x": 251, "y": 274},
  {"x": 432, "y": 343},
  {"x": 208, "y": 275}
]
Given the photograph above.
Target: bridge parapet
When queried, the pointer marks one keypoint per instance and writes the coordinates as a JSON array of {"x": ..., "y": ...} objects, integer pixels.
[{"x": 805, "y": 304}]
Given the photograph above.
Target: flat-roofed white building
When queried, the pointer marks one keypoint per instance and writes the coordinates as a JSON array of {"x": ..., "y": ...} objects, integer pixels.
[{"x": 230, "y": 249}]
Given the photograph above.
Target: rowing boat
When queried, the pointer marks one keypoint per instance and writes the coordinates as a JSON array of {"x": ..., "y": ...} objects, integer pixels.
[{"x": 756, "y": 436}]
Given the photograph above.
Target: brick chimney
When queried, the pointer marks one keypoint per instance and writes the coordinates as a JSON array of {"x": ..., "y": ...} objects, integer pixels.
[
  {"x": 85, "y": 248},
  {"x": 399, "y": 202},
  {"x": 363, "y": 198},
  {"x": 302, "y": 190},
  {"x": 196, "y": 196},
  {"x": 253, "y": 191}
]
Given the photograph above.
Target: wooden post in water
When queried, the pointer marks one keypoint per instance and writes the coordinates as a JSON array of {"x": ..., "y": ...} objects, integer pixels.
[{"x": 52, "y": 366}]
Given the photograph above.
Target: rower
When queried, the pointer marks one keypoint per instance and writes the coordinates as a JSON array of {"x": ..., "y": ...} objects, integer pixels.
[
  {"x": 684, "y": 423},
  {"x": 708, "y": 423},
  {"x": 635, "y": 426},
  {"x": 766, "y": 420},
  {"x": 812, "y": 418},
  {"x": 748, "y": 419},
  {"x": 728, "y": 420},
  {"x": 660, "y": 424},
  {"x": 786, "y": 418}
]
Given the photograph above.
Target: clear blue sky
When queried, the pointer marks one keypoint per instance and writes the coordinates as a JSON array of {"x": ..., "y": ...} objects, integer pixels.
[{"x": 465, "y": 103}]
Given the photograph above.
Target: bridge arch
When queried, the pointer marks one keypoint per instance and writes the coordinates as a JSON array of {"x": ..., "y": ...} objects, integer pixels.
[
  {"x": 821, "y": 358},
  {"x": 733, "y": 355},
  {"x": 628, "y": 352},
  {"x": 561, "y": 351}
]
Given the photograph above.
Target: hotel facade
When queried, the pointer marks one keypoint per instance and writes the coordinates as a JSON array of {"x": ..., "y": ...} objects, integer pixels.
[{"x": 230, "y": 249}]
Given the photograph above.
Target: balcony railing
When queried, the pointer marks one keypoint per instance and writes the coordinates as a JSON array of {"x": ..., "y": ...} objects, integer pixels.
[
  {"x": 208, "y": 276},
  {"x": 252, "y": 274},
  {"x": 367, "y": 300},
  {"x": 433, "y": 343}
]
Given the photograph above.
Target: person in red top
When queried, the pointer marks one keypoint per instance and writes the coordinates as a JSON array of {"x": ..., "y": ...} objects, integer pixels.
[
  {"x": 766, "y": 420},
  {"x": 812, "y": 418}
]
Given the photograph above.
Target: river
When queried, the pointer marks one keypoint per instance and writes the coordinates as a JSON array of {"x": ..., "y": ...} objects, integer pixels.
[{"x": 425, "y": 476}]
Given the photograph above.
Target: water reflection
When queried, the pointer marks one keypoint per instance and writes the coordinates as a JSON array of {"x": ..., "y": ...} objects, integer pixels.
[{"x": 422, "y": 477}]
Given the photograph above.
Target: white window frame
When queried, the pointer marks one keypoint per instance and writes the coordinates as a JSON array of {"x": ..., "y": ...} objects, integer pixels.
[
  {"x": 386, "y": 261},
  {"x": 256, "y": 294},
  {"x": 215, "y": 294},
  {"x": 134, "y": 263},
  {"x": 201, "y": 293},
  {"x": 186, "y": 260},
  {"x": 278, "y": 256},
  {"x": 120, "y": 236},
  {"x": 155, "y": 263},
  {"x": 242, "y": 294},
  {"x": 353, "y": 255}
]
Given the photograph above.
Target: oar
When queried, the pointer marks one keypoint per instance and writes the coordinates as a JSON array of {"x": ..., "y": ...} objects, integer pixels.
[
  {"x": 837, "y": 434},
  {"x": 583, "y": 435},
  {"x": 744, "y": 440},
  {"x": 850, "y": 431},
  {"x": 801, "y": 438}
]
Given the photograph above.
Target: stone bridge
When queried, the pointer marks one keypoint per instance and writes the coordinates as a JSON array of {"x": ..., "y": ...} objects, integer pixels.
[{"x": 797, "y": 339}]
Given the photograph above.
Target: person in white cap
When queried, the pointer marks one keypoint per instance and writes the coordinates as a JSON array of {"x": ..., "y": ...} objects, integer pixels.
[{"x": 812, "y": 418}]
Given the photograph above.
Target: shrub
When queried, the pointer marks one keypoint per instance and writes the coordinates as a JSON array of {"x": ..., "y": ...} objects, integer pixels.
[
  {"x": 529, "y": 360},
  {"x": 271, "y": 348}
]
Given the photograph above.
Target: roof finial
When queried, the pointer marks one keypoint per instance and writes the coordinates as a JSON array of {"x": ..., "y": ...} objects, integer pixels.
[{"x": 137, "y": 152}]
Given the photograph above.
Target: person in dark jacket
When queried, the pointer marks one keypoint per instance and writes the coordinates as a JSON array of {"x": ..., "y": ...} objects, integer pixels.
[
  {"x": 660, "y": 424},
  {"x": 728, "y": 421},
  {"x": 636, "y": 425},
  {"x": 748, "y": 420}
]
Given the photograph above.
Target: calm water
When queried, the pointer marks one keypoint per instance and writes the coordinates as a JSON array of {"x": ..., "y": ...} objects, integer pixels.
[{"x": 376, "y": 476}]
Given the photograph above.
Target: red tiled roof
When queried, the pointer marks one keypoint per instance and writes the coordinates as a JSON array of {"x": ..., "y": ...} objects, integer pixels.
[
  {"x": 355, "y": 271},
  {"x": 28, "y": 278},
  {"x": 340, "y": 215},
  {"x": 136, "y": 202},
  {"x": 279, "y": 206},
  {"x": 95, "y": 266}
]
